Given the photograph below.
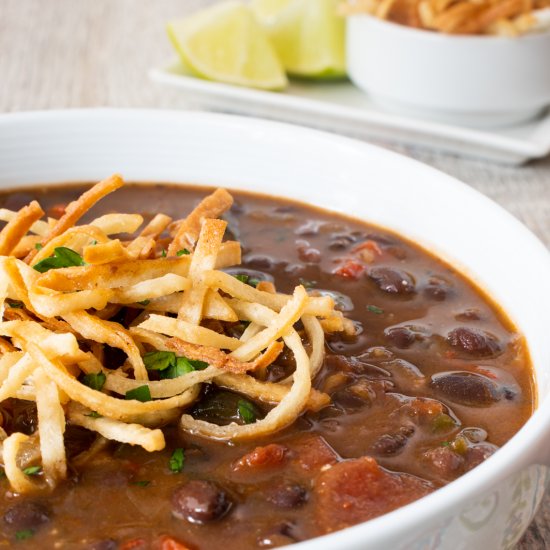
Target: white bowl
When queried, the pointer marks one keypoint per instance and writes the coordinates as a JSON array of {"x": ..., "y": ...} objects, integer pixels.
[
  {"x": 489, "y": 507},
  {"x": 478, "y": 81}
]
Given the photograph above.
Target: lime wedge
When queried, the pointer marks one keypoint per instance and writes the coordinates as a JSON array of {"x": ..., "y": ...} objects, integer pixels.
[
  {"x": 308, "y": 35},
  {"x": 226, "y": 43}
]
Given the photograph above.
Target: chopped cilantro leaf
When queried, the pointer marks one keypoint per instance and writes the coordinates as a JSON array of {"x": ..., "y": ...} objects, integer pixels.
[
  {"x": 15, "y": 305},
  {"x": 307, "y": 284},
  {"x": 32, "y": 470},
  {"x": 183, "y": 252},
  {"x": 93, "y": 414},
  {"x": 144, "y": 302},
  {"x": 241, "y": 277},
  {"x": 247, "y": 411},
  {"x": 39, "y": 246},
  {"x": 141, "y": 393},
  {"x": 94, "y": 380},
  {"x": 159, "y": 360},
  {"x": 24, "y": 534},
  {"x": 142, "y": 483},
  {"x": 163, "y": 253},
  {"x": 375, "y": 309},
  {"x": 445, "y": 443},
  {"x": 177, "y": 460},
  {"x": 94, "y": 242},
  {"x": 62, "y": 257},
  {"x": 247, "y": 279}
]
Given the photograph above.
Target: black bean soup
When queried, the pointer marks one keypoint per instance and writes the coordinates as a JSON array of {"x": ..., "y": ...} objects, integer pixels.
[{"x": 434, "y": 382}]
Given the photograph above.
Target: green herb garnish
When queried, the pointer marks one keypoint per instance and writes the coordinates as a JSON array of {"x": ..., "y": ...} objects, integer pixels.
[
  {"x": 62, "y": 257},
  {"x": 24, "y": 534},
  {"x": 169, "y": 365},
  {"x": 144, "y": 302},
  {"x": 142, "y": 483},
  {"x": 39, "y": 246},
  {"x": 183, "y": 252},
  {"x": 307, "y": 284},
  {"x": 141, "y": 393},
  {"x": 32, "y": 470},
  {"x": 177, "y": 460},
  {"x": 15, "y": 305},
  {"x": 94, "y": 380},
  {"x": 443, "y": 422},
  {"x": 247, "y": 279},
  {"x": 94, "y": 414},
  {"x": 375, "y": 309},
  {"x": 247, "y": 411},
  {"x": 159, "y": 360},
  {"x": 163, "y": 253}
]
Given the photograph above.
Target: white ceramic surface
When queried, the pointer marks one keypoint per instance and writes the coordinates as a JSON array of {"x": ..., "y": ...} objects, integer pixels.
[
  {"x": 490, "y": 506},
  {"x": 480, "y": 81},
  {"x": 342, "y": 107}
]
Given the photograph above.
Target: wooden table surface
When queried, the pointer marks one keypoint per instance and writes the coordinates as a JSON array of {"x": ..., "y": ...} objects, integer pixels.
[{"x": 88, "y": 53}]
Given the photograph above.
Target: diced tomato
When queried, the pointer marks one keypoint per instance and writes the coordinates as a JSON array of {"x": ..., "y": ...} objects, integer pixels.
[
  {"x": 134, "y": 544},
  {"x": 57, "y": 210},
  {"x": 369, "y": 245},
  {"x": 312, "y": 452},
  {"x": 263, "y": 457},
  {"x": 358, "y": 490},
  {"x": 350, "y": 269},
  {"x": 169, "y": 543}
]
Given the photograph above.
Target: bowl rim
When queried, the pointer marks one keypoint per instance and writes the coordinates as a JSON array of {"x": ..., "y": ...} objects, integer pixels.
[
  {"x": 454, "y": 39},
  {"x": 439, "y": 504}
]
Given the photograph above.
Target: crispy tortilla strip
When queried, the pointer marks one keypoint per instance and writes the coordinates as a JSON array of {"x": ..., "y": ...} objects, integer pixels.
[
  {"x": 143, "y": 245},
  {"x": 189, "y": 333},
  {"x": 19, "y": 482},
  {"x": 122, "y": 274},
  {"x": 76, "y": 209},
  {"x": 39, "y": 227},
  {"x": 25, "y": 245},
  {"x": 268, "y": 392},
  {"x": 291, "y": 405},
  {"x": 320, "y": 306},
  {"x": 216, "y": 357},
  {"x": 118, "y": 409},
  {"x": 112, "y": 334},
  {"x": 203, "y": 259},
  {"x": 162, "y": 388},
  {"x": 75, "y": 238},
  {"x": 104, "y": 253},
  {"x": 7, "y": 361},
  {"x": 279, "y": 326},
  {"x": 112, "y": 224},
  {"x": 215, "y": 307},
  {"x": 18, "y": 373},
  {"x": 316, "y": 337},
  {"x": 151, "y": 289},
  {"x": 188, "y": 229},
  {"x": 51, "y": 427},
  {"x": 134, "y": 434},
  {"x": 18, "y": 227}
]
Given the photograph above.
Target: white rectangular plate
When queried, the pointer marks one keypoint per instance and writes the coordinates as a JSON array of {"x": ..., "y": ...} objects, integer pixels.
[{"x": 341, "y": 107}]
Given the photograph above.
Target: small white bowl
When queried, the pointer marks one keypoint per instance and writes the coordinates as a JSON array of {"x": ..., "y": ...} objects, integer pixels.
[{"x": 482, "y": 81}]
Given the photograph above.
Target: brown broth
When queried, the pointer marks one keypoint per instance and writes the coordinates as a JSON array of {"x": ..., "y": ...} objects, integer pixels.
[{"x": 126, "y": 493}]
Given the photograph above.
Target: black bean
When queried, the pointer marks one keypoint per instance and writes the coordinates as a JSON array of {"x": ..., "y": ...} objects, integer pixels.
[
  {"x": 200, "y": 502},
  {"x": 393, "y": 281},
  {"x": 437, "y": 289},
  {"x": 473, "y": 341},
  {"x": 390, "y": 444},
  {"x": 466, "y": 388},
  {"x": 400, "y": 337},
  {"x": 476, "y": 454},
  {"x": 470, "y": 314},
  {"x": 287, "y": 495},
  {"x": 309, "y": 255},
  {"x": 107, "y": 544},
  {"x": 340, "y": 241},
  {"x": 279, "y": 535},
  {"x": 260, "y": 262},
  {"x": 27, "y": 515}
]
